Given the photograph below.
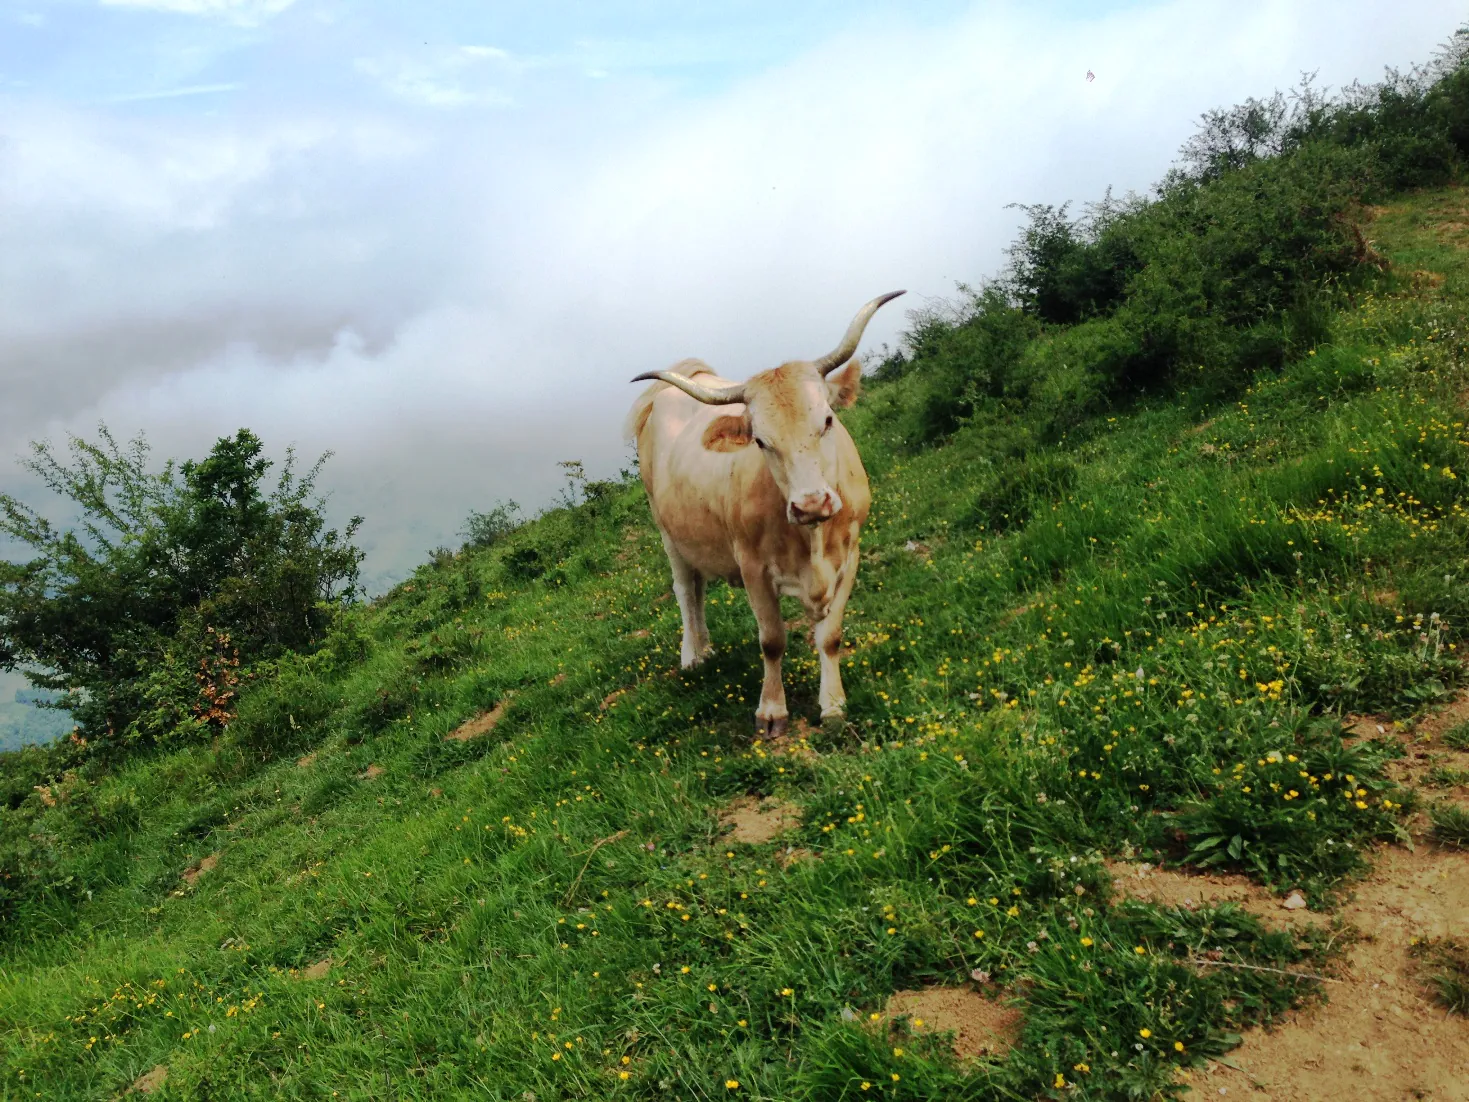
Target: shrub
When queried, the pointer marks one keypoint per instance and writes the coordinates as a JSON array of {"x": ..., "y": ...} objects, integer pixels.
[
  {"x": 173, "y": 576},
  {"x": 490, "y": 527},
  {"x": 287, "y": 710}
]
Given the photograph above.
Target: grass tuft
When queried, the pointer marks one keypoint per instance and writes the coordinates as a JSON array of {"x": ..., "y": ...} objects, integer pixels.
[
  {"x": 1449, "y": 959},
  {"x": 1450, "y": 824},
  {"x": 1457, "y": 737}
]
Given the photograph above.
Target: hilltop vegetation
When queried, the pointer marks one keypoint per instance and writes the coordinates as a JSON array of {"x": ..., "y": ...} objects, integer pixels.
[{"x": 1154, "y": 512}]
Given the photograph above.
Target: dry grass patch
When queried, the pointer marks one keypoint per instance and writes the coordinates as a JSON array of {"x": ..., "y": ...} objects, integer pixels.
[
  {"x": 755, "y": 821},
  {"x": 199, "y": 868},
  {"x": 481, "y": 724},
  {"x": 150, "y": 1081},
  {"x": 982, "y": 1028}
]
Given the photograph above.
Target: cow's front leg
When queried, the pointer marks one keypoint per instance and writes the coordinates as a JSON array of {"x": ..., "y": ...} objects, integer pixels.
[
  {"x": 828, "y": 639},
  {"x": 771, "y": 716},
  {"x": 688, "y": 588}
]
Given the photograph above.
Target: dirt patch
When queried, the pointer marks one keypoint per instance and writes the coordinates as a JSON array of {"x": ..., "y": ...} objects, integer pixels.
[
  {"x": 193, "y": 872},
  {"x": 1378, "y": 1037},
  {"x": 1445, "y": 719},
  {"x": 1424, "y": 750},
  {"x": 641, "y": 633},
  {"x": 150, "y": 1081},
  {"x": 793, "y": 742},
  {"x": 1192, "y": 890},
  {"x": 307, "y": 761},
  {"x": 481, "y": 724},
  {"x": 919, "y": 550},
  {"x": 611, "y": 699},
  {"x": 1367, "y": 727},
  {"x": 794, "y": 855},
  {"x": 982, "y": 1027},
  {"x": 372, "y": 772},
  {"x": 754, "y": 821},
  {"x": 316, "y": 971}
]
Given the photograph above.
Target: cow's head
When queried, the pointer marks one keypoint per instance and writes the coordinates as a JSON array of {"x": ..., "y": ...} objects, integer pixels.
[{"x": 788, "y": 416}]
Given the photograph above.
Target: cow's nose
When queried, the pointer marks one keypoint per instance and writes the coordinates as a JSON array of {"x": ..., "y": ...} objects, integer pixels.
[{"x": 815, "y": 507}]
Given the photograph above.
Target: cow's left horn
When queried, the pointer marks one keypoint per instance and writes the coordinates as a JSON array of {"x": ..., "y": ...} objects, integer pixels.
[
  {"x": 843, "y": 352},
  {"x": 713, "y": 396}
]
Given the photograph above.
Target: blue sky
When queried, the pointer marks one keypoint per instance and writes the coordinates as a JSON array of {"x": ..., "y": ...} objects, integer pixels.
[{"x": 439, "y": 238}]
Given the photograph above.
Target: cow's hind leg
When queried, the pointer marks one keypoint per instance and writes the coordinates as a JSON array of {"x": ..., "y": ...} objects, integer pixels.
[
  {"x": 688, "y": 589},
  {"x": 703, "y": 648},
  {"x": 771, "y": 716},
  {"x": 828, "y": 639}
]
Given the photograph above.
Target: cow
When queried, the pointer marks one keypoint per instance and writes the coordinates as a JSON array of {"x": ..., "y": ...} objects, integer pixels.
[{"x": 758, "y": 483}]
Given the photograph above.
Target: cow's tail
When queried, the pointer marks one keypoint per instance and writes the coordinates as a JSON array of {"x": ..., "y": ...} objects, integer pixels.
[{"x": 642, "y": 408}]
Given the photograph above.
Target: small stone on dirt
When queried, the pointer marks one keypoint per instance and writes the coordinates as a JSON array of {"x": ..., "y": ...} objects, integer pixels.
[
  {"x": 1192, "y": 890},
  {"x": 1294, "y": 902}
]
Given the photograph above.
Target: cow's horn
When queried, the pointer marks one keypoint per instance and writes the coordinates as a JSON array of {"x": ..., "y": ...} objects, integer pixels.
[
  {"x": 713, "y": 396},
  {"x": 843, "y": 352}
]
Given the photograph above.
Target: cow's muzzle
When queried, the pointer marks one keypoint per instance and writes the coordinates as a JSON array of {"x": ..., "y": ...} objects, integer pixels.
[{"x": 814, "y": 508}]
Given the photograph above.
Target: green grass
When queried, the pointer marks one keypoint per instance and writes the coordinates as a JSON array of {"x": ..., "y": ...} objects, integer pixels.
[{"x": 1135, "y": 642}]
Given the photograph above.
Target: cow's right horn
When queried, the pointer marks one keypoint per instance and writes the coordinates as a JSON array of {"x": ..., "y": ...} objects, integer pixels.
[
  {"x": 843, "y": 352},
  {"x": 713, "y": 396}
]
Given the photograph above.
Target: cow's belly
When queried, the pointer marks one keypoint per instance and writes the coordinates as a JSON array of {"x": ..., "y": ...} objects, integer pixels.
[{"x": 703, "y": 546}]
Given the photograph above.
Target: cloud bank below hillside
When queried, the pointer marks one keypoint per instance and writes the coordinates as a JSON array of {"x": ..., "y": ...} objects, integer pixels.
[{"x": 448, "y": 276}]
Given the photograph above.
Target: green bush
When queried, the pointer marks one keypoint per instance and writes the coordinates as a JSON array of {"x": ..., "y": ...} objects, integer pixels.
[
  {"x": 144, "y": 616},
  {"x": 287, "y": 710}
]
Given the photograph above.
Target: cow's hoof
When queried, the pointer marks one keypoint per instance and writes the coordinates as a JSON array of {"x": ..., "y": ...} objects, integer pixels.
[
  {"x": 770, "y": 727},
  {"x": 833, "y": 723}
]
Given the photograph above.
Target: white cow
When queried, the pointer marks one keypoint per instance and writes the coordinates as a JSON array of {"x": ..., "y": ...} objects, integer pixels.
[{"x": 758, "y": 483}]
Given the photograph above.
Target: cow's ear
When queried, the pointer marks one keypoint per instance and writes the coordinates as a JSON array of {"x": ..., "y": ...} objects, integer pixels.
[
  {"x": 843, "y": 385},
  {"x": 727, "y": 434}
]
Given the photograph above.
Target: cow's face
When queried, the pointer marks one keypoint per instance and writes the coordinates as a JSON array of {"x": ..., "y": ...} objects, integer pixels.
[{"x": 790, "y": 416}]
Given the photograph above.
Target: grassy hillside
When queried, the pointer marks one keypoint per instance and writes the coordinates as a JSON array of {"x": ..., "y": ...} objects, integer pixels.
[
  {"x": 1137, "y": 639},
  {"x": 1157, "y": 515}
]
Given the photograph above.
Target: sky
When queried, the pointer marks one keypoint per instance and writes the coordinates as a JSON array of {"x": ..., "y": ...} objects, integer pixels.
[{"x": 439, "y": 239}]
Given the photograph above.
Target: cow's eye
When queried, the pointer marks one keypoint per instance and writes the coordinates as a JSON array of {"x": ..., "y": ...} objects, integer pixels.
[
  {"x": 828, "y": 422},
  {"x": 759, "y": 443}
]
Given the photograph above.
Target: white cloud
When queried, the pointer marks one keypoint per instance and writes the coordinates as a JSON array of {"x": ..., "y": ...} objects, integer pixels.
[
  {"x": 445, "y": 78},
  {"x": 246, "y": 12},
  {"x": 177, "y": 93},
  {"x": 454, "y": 301}
]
